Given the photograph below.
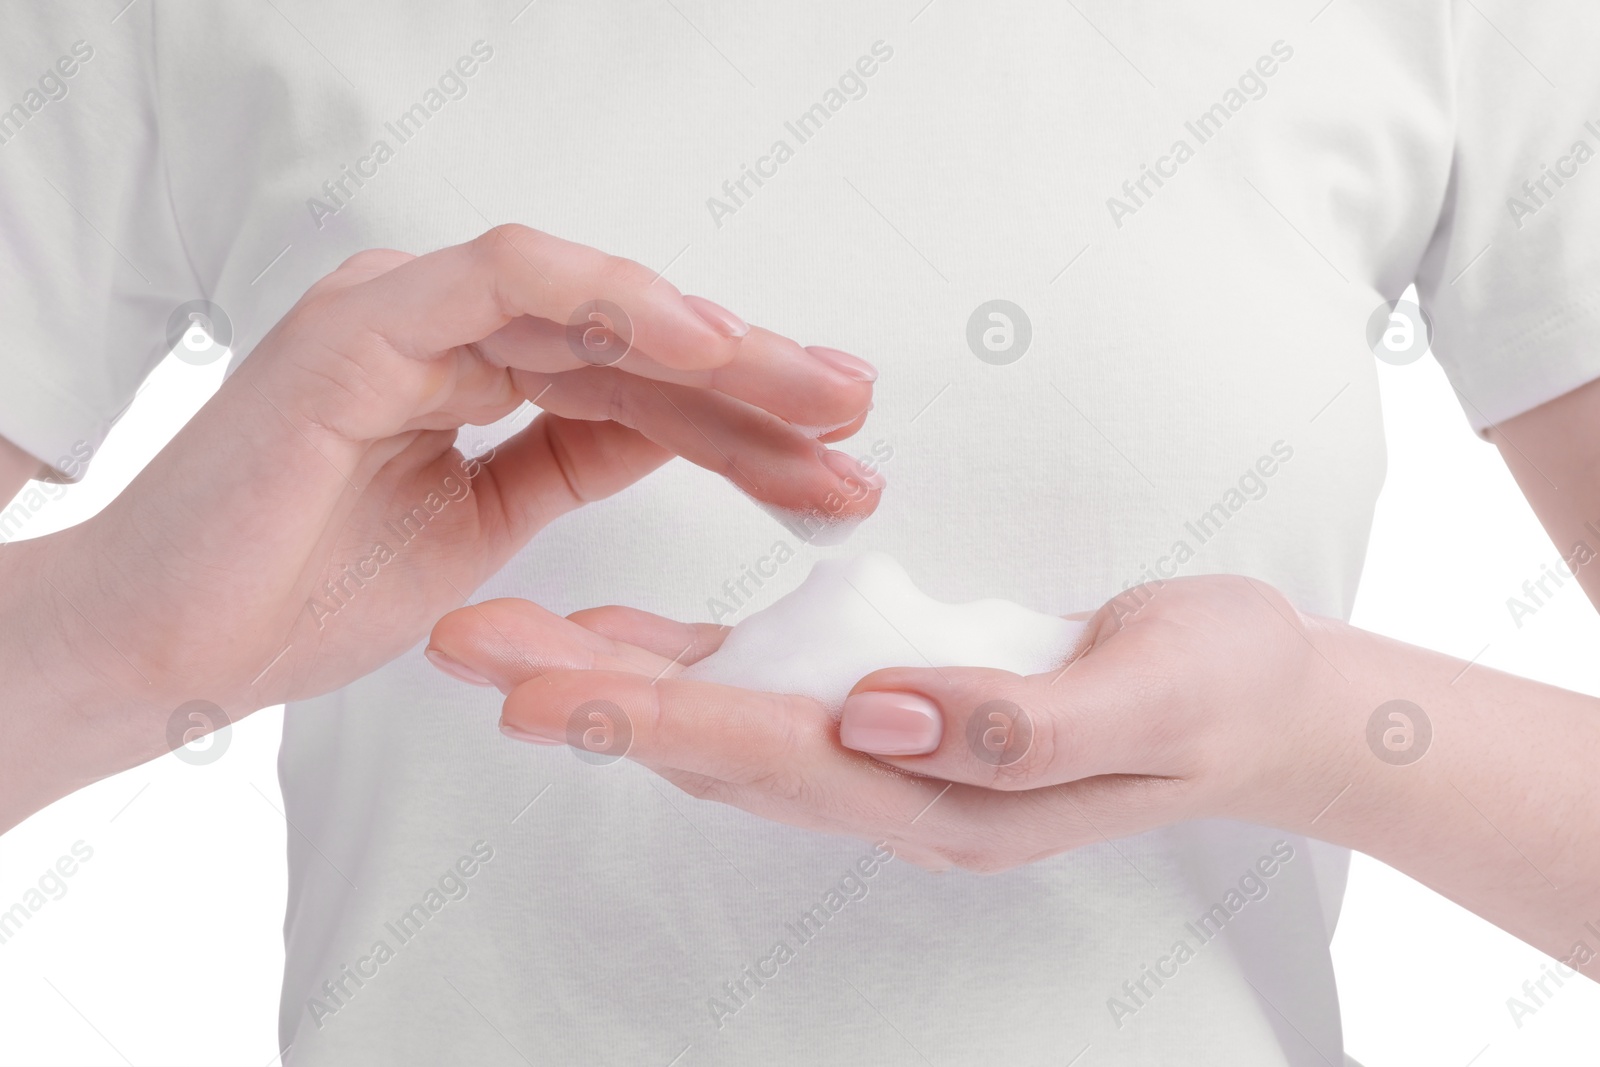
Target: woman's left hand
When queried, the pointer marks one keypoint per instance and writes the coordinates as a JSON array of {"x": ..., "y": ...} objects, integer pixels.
[{"x": 1190, "y": 699}]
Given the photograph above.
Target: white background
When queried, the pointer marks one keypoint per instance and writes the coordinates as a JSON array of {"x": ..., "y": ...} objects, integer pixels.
[{"x": 166, "y": 947}]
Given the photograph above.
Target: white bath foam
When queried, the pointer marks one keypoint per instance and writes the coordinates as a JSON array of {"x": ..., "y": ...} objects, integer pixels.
[{"x": 853, "y": 616}]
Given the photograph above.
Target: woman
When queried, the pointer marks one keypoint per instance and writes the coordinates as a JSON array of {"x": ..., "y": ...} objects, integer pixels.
[{"x": 1184, "y": 224}]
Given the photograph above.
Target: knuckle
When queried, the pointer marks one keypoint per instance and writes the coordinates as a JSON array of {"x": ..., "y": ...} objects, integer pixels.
[
  {"x": 1033, "y": 766},
  {"x": 497, "y": 238},
  {"x": 623, "y": 273},
  {"x": 794, "y": 732},
  {"x": 1241, "y": 588},
  {"x": 787, "y": 742},
  {"x": 321, "y": 323},
  {"x": 320, "y": 310},
  {"x": 507, "y": 248},
  {"x": 1244, "y": 591}
]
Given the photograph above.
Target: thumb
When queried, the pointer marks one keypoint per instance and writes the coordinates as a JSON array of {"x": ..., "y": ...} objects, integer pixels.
[
  {"x": 558, "y": 465},
  {"x": 1006, "y": 731}
]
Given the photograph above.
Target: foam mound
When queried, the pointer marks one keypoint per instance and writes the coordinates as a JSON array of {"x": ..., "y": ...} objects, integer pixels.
[{"x": 853, "y": 616}]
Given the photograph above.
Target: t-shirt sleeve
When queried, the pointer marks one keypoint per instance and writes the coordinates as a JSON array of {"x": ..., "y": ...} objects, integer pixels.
[
  {"x": 1511, "y": 278},
  {"x": 91, "y": 262}
]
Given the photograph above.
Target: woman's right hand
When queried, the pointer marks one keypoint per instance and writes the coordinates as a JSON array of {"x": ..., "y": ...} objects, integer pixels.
[{"x": 314, "y": 519}]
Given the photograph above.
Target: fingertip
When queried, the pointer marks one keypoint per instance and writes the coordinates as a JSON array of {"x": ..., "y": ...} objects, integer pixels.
[
  {"x": 451, "y": 644},
  {"x": 518, "y": 733},
  {"x": 454, "y": 668},
  {"x": 853, "y": 475},
  {"x": 505, "y": 642},
  {"x": 851, "y": 367},
  {"x": 849, "y": 429}
]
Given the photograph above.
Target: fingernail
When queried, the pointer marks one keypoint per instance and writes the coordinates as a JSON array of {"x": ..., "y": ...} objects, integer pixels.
[
  {"x": 458, "y": 671},
  {"x": 848, "y": 470},
  {"x": 890, "y": 724},
  {"x": 853, "y": 367},
  {"x": 517, "y": 733},
  {"x": 717, "y": 317}
]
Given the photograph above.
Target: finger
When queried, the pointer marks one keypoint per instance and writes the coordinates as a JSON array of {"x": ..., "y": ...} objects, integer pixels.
[
  {"x": 552, "y": 467},
  {"x": 778, "y": 757},
  {"x": 818, "y": 388},
  {"x": 763, "y": 456},
  {"x": 509, "y": 641},
  {"x": 1006, "y": 731},
  {"x": 359, "y": 267},
  {"x": 733, "y": 735},
  {"x": 818, "y": 393},
  {"x": 848, "y": 430},
  {"x": 774, "y": 756},
  {"x": 683, "y": 642},
  {"x": 462, "y": 294}
]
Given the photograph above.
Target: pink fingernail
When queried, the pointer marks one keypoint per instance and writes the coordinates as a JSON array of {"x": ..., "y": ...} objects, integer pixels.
[
  {"x": 848, "y": 470},
  {"x": 459, "y": 671},
  {"x": 717, "y": 317},
  {"x": 890, "y": 724},
  {"x": 853, "y": 367},
  {"x": 517, "y": 733}
]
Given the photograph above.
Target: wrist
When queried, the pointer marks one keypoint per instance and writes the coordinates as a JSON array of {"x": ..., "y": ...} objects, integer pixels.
[
  {"x": 1359, "y": 759},
  {"x": 1304, "y": 745}
]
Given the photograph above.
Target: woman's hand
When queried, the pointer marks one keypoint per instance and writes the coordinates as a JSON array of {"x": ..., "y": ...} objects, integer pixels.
[
  {"x": 315, "y": 518},
  {"x": 1194, "y": 698},
  {"x": 1181, "y": 702}
]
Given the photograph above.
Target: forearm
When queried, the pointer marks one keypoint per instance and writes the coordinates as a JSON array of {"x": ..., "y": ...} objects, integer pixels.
[
  {"x": 71, "y": 712},
  {"x": 181, "y": 590},
  {"x": 1500, "y": 812}
]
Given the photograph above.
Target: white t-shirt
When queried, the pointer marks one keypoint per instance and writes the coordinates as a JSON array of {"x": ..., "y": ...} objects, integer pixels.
[{"x": 1197, "y": 210}]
